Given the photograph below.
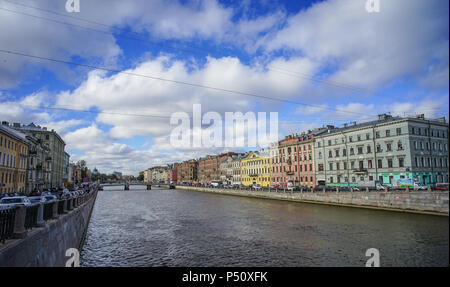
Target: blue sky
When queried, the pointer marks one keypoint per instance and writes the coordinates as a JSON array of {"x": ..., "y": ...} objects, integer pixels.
[{"x": 349, "y": 64}]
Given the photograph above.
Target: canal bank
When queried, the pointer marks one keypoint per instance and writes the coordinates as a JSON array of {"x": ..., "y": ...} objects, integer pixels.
[
  {"x": 432, "y": 203},
  {"x": 44, "y": 243}
]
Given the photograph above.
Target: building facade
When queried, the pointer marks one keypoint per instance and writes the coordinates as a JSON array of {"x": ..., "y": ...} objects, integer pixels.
[
  {"x": 187, "y": 171},
  {"x": 13, "y": 160},
  {"x": 56, "y": 145},
  {"x": 389, "y": 150},
  {"x": 255, "y": 169}
]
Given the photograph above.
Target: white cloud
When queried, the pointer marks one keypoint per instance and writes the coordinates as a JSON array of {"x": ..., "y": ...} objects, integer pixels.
[{"x": 369, "y": 49}]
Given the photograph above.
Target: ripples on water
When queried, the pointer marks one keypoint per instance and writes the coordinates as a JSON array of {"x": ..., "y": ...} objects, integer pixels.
[{"x": 184, "y": 228}]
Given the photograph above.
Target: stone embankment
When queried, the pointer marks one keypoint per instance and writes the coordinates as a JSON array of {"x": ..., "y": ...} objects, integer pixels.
[
  {"x": 435, "y": 202},
  {"x": 41, "y": 234}
]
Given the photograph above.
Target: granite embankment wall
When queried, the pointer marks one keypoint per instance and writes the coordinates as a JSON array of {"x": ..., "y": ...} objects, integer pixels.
[
  {"x": 46, "y": 246},
  {"x": 435, "y": 202}
]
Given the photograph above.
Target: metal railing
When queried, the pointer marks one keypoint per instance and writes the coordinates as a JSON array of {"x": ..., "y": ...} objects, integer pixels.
[
  {"x": 16, "y": 220},
  {"x": 61, "y": 207},
  {"x": 48, "y": 211},
  {"x": 6, "y": 224},
  {"x": 31, "y": 216}
]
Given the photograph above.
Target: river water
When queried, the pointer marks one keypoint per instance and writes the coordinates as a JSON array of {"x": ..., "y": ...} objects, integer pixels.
[{"x": 186, "y": 228}]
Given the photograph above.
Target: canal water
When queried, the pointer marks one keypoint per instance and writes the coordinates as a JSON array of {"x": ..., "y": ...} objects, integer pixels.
[{"x": 186, "y": 228}]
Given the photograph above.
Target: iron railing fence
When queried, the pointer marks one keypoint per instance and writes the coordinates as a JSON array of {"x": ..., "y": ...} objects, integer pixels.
[
  {"x": 31, "y": 216},
  {"x": 7, "y": 217}
]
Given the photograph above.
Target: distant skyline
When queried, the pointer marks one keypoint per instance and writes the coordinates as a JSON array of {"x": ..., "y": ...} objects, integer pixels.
[{"x": 346, "y": 64}]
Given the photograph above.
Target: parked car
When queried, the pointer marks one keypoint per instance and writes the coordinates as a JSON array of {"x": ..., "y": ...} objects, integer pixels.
[
  {"x": 50, "y": 197},
  {"x": 37, "y": 199},
  {"x": 256, "y": 186},
  {"x": 441, "y": 186},
  {"x": 8, "y": 202},
  {"x": 379, "y": 186}
]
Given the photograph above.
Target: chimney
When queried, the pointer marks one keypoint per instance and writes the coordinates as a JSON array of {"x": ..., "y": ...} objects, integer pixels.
[{"x": 421, "y": 116}]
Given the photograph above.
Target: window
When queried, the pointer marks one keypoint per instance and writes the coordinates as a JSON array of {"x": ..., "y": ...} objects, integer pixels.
[
  {"x": 320, "y": 167},
  {"x": 344, "y": 152},
  {"x": 390, "y": 165},
  {"x": 330, "y": 154},
  {"x": 401, "y": 162},
  {"x": 360, "y": 150},
  {"x": 380, "y": 163},
  {"x": 359, "y": 137},
  {"x": 337, "y": 153},
  {"x": 377, "y": 135},
  {"x": 399, "y": 145},
  {"x": 389, "y": 147},
  {"x": 369, "y": 163},
  {"x": 361, "y": 164},
  {"x": 399, "y": 131},
  {"x": 367, "y": 136},
  {"x": 352, "y": 151},
  {"x": 369, "y": 149},
  {"x": 350, "y": 139},
  {"x": 345, "y": 165},
  {"x": 331, "y": 166}
]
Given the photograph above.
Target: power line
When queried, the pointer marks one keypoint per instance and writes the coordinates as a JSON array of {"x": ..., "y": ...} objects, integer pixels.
[
  {"x": 275, "y": 69},
  {"x": 177, "y": 82}
]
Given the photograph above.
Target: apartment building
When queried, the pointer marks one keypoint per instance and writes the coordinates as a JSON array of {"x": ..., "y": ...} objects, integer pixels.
[
  {"x": 255, "y": 169},
  {"x": 13, "y": 160},
  {"x": 387, "y": 150}
]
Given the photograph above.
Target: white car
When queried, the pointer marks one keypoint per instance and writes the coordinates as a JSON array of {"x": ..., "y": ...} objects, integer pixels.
[
  {"x": 8, "y": 202},
  {"x": 256, "y": 186},
  {"x": 37, "y": 199}
]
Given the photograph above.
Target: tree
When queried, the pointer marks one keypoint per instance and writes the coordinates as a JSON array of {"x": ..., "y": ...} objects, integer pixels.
[{"x": 141, "y": 176}]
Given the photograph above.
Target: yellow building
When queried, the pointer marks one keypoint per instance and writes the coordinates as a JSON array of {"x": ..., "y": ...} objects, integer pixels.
[
  {"x": 13, "y": 160},
  {"x": 255, "y": 169}
]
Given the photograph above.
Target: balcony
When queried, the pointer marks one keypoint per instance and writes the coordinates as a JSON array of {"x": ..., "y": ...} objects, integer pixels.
[
  {"x": 360, "y": 170},
  {"x": 290, "y": 172}
]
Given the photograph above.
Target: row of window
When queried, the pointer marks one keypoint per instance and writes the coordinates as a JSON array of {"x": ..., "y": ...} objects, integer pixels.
[
  {"x": 289, "y": 150},
  {"x": 255, "y": 170},
  {"x": 296, "y": 179},
  {"x": 425, "y": 132},
  {"x": 301, "y": 168},
  {"x": 399, "y": 162},
  {"x": 8, "y": 144},
  {"x": 287, "y": 159},
  {"x": 248, "y": 179},
  {"x": 10, "y": 177},
  {"x": 428, "y": 162},
  {"x": 436, "y": 146},
  {"x": 255, "y": 162},
  {"x": 360, "y": 150},
  {"x": 8, "y": 160}
]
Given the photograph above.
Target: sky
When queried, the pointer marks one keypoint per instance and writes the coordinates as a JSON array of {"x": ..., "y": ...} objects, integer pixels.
[{"x": 316, "y": 63}]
